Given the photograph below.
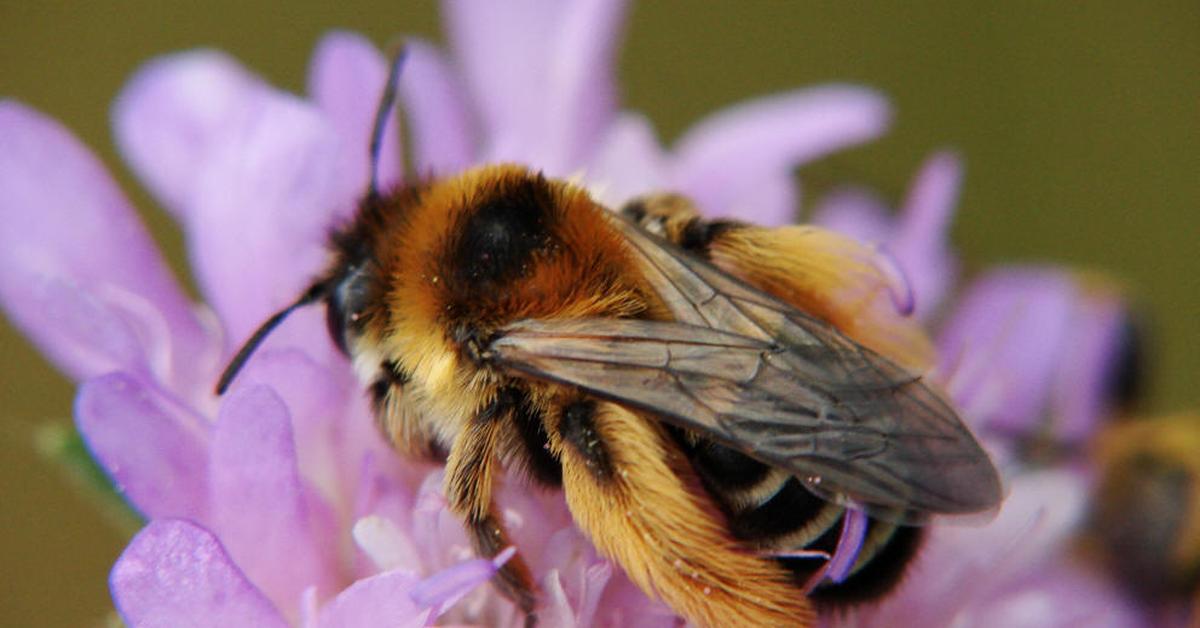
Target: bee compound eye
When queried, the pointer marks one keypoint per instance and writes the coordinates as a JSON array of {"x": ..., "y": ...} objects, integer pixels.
[{"x": 347, "y": 305}]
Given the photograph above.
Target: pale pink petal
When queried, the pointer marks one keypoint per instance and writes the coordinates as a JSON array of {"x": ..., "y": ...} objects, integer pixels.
[
  {"x": 581, "y": 96},
  {"x": 443, "y": 589},
  {"x": 856, "y": 212},
  {"x": 385, "y": 543},
  {"x": 1083, "y": 391},
  {"x": 314, "y": 393},
  {"x": 66, "y": 228},
  {"x": 917, "y": 238},
  {"x": 920, "y": 243},
  {"x": 628, "y": 162},
  {"x": 381, "y": 601},
  {"x": 272, "y": 524},
  {"x": 174, "y": 112},
  {"x": 387, "y": 487},
  {"x": 575, "y": 580},
  {"x": 556, "y": 609},
  {"x": 1062, "y": 596},
  {"x": 153, "y": 450},
  {"x": 965, "y": 568},
  {"x": 255, "y": 175},
  {"x": 346, "y": 82},
  {"x": 540, "y": 72},
  {"x": 76, "y": 329},
  {"x": 1002, "y": 344},
  {"x": 501, "y": 48},
  {"x": 175, "y": 574},
  {"x": 431, "y": 519},
  {"x": 268, "y": 193},
  {"x": 771, "y": 200},
  {"x": 441, "y": 131},
  {"x": 726, "y": 156}
]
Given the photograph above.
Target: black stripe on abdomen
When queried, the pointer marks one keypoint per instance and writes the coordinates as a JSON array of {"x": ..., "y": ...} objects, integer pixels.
[{"x": 776, "y": 513}]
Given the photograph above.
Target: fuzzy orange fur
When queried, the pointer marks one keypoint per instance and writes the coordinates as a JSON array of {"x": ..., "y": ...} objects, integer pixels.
[{"x": 650, "y": 519}]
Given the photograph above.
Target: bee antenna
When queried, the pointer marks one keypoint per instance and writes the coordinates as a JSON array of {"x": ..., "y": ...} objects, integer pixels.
[
  {"x": 397, "y": 53},
  {"x": 315, "y": 292}
]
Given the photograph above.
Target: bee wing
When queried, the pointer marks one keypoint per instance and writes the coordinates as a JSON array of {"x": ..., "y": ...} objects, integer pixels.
[{"x": 757, "y": 375}]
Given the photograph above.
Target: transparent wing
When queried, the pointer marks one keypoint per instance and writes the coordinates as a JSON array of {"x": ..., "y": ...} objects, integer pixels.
[{"x": 757, "y": 375}]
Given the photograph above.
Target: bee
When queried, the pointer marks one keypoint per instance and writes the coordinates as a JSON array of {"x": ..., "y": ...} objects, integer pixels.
[
  {"x": 682, "y": 381},
  {"x": 1144, "y": 524}
]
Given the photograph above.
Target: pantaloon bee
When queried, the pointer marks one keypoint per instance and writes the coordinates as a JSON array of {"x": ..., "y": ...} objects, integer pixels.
[
  {"x": 1144, "y": 524},
  {"x": 709, "y": 411}
]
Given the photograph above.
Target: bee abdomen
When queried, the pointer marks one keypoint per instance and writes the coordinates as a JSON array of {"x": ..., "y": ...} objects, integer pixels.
[{"x": 774, "y": 513}]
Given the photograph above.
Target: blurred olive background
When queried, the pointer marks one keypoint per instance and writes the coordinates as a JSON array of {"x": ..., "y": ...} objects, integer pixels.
[{"x": 1080, "y": 126}]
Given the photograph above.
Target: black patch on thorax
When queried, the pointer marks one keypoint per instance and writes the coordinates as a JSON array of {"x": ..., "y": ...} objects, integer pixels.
[{"x": 499, "y": 237}]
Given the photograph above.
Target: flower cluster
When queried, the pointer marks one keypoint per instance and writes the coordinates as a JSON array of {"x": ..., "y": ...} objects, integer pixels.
[{"x": 279, "y": 504}]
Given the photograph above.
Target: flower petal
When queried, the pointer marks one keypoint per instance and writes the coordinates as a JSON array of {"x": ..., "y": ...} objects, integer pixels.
[
  {"x": 77, "y": 329},
  {"x": 176, "y": 574},
  {"x": 557, "y": 609},
  {"x": 962, "y": 568},
  {"x": 582, "y": 93},
  {"x": 1083, "y": 392},
  {"x": 254, "y": 174},
  {"x": 502, "y": 49},
  {"x": 446, "y": 587},
  {"x": 629, "y": 162},
  {"x": 856, "y": 212},
  {"x": 380, "y": 600},
  {"x": 440, "y": 125},
  {"x": 346, "y": 82},
  {"x": 326, "y": 430},
  {"x": 1063, "y": 596},
  {"x": 917, "y": 238},
  {"x": 541, "y": 73},
  {"x": 920, "y": 243},
  {"x": 65, "y": 228},
  {"x": 268, "y": 193},
  {"x": 1002, "y": 344},
  {"x": 274, "y": 528},
  {"x": 173, "y": 113},
  {"x": 388, "y": 546},
  {"x": 727, "y": 156},
  {"x": 152, "y": 450}
]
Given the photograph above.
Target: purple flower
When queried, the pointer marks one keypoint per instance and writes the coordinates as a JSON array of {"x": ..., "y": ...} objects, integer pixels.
[
  {"x": 279, "y": 504},
  {"x": 1024, "y": 352},
  {"x": 1008, "y": 573}
]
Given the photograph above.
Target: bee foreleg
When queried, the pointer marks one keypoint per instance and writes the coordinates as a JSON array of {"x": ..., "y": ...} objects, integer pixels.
[
  {"x": 400, "y": 420},
  {"x": 469, "y": 476},
  {"x": 633, "y": 493}
]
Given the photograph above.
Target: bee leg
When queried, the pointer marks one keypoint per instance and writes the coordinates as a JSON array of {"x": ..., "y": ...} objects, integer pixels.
[
  {"x": 675, "y": 218},
  {"x": 470, "y": 473},
  {"x": 632, "y": 491},
  {"x": 399, "y": 420}
]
